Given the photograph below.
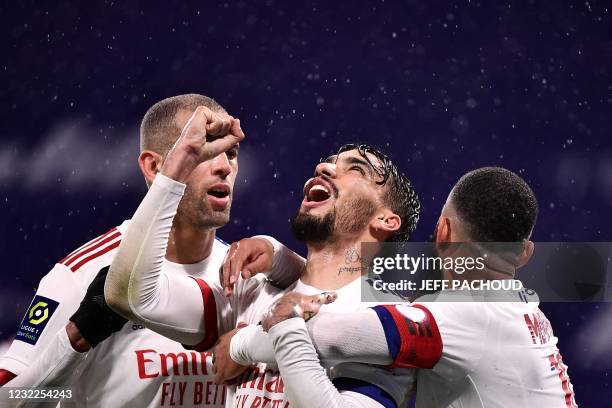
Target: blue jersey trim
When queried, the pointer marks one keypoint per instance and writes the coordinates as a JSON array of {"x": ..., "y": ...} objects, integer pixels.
[
  {"x": 391, "y": 332},
  {"x": 221, "y": 241},
  {"x": 376, "y": 393}
]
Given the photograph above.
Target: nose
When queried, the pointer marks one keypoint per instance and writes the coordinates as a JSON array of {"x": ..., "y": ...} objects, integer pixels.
[
  {"x": 221, "y": 166},
  {"x": 326, "y": 169}
]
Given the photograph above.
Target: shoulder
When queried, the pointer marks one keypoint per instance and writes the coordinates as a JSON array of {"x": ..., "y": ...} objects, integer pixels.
[{"x": 85, "y": 261}]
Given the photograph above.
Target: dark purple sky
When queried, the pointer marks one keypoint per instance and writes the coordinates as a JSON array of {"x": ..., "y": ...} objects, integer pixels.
[{"x": 444, "y": 87}]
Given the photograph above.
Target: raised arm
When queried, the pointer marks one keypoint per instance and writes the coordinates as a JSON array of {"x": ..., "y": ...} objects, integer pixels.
[{"x": 136, "y": 287}]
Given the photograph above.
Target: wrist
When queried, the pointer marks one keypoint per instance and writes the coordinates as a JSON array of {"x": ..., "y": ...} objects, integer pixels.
[
  {"x": 293, "y": 324},
  {"x": 77, "y": 341},
  {"x": 239, "y": 345},
  {"x": 178, "y": 165}
]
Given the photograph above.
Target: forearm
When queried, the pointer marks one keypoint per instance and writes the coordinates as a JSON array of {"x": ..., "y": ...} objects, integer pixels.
[
  {"x": 136, "y": 287},
  {"x": 251, "y": 345},
  {"x": 338, "y": 338},
  {"x": 54, "y": 367},
  {"x": 301, "y": 370},
  {"x": 356, "y": 337}
]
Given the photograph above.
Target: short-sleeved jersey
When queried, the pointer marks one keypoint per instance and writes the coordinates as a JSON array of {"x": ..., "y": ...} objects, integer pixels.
[
  {"x": 478, "y": 354},
  {"x": 134, "y": 367},
  {"x": 262, "y": 385}
]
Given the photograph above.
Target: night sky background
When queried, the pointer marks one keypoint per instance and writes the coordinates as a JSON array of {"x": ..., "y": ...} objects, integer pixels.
[{"x": 445, "y": 87}]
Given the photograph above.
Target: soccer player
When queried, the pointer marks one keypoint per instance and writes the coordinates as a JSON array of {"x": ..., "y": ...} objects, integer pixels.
[
  {"x": 498, "y": 353},
  {"x": 68, "y": 327},
  {"x": 357, "y": 195}
]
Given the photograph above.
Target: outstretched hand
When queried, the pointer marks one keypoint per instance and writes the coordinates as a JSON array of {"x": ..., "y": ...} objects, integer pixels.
[
  {"x": 295, "y": 304},
  {"x": 247, "y": 257}
]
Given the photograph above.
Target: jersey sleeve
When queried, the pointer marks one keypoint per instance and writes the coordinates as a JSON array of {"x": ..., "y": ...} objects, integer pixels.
[
  {"x": 218, "y": 316},
  {"x": 306, "y": 382},
  {"x": 220, "y": 313},
  {"x": 412, "y": 335},
  {"x": 251, "y": 345},
  {"x": 356, "y": 337},
  {"x": 137, "y": 287},
  {"x": 55, "y": 366},
  {"x": 56, "y": 299}
]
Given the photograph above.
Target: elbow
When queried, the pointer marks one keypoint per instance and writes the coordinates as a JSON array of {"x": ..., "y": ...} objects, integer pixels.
[{"x": 115, "y": 296}]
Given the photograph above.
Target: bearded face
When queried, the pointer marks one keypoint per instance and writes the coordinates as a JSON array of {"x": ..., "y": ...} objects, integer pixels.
[
  {"x": 350, "y": 217},
  {"x": 313, "y": 228}
]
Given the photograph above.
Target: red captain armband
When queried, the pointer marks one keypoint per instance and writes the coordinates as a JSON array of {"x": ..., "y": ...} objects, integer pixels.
[
  {"x": 210, "y": 318},
  {"x": 412, "y": 334}
]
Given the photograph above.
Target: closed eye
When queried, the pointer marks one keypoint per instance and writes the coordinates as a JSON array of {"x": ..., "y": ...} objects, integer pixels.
[{"x": 359, "y": 169}]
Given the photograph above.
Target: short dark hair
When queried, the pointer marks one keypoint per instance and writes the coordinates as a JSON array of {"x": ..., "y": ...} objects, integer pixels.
[
  {"x": 496, "y": 205},
  {"x": 158, "y": 131},
  {"x": 400, "y": 195}
]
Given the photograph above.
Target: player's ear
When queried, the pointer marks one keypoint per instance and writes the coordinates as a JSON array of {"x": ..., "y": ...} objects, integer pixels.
[
  {"x": 386, "y": 223},
  {"x": 527, "y": 253},
  {"x": 150, "y": 163},
  {"x": 443, "y": 230}
]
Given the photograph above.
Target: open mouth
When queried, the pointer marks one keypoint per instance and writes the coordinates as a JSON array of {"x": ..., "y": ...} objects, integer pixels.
[
  {"x": 219, "y": 194},
  {"x": 316, "y": 192}
]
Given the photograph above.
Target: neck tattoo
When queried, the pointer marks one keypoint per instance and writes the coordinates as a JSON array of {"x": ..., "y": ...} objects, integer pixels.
[{"x": 351, "y": 256}]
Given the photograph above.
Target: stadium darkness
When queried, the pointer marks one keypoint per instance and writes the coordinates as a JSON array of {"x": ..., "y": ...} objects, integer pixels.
[{"x": 444, "y": 88}]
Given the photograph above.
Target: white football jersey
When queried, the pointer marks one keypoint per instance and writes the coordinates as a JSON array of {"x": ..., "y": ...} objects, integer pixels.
[
  {"x": 479, "y": 354},
  {"x": 134, "y": 367},
  {"x": 262, "y": 385}
]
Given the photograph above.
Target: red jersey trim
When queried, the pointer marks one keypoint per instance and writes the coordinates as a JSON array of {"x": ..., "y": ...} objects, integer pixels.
[
  {"x": 421, "y": 343},
  {"x": 210, "y": 318},
  {"x": 6, "y": 376},
  {"x": 556, "y": 363},
  {"x": 81, "y": 254},
  {"x": 95, "y": 255},
  {"x": 87, "y": 245}
]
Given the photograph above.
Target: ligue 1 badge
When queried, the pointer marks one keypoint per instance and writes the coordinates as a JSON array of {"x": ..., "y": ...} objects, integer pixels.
[{"x": 35, "y": 320}]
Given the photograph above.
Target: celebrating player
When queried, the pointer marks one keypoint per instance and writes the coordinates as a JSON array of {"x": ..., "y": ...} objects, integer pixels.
[
  {"x": 498, "y": 353},
  {"x": 70, "y": 328},
  {"x": 357, "y": 195}
]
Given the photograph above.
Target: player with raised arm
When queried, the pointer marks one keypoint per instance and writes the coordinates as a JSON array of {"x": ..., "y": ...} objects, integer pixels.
[
  {"x": 69, "y": 336},
  {"x": 497, "y": 353},
  {"x": 356, "y": 195}
]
